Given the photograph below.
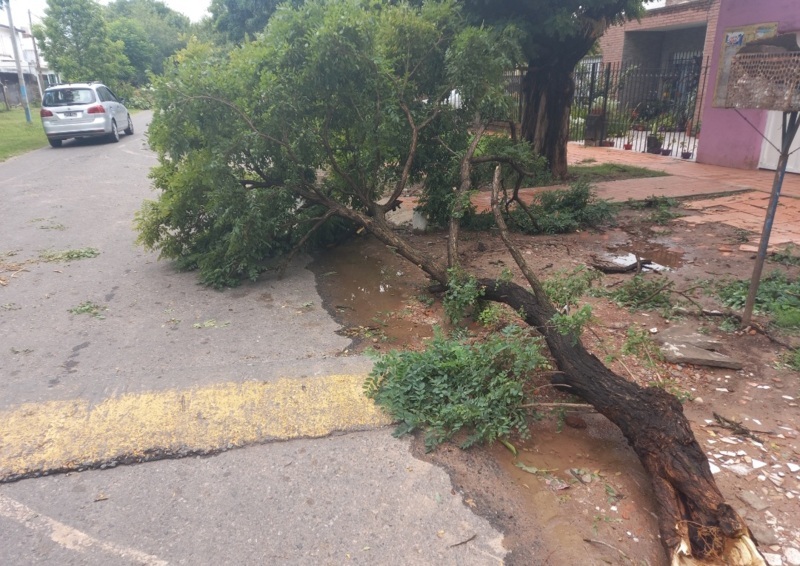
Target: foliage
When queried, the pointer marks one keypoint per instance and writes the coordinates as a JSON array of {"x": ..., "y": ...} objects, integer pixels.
[
  {"x": 74, "y": 39},
  {"x": 454, "y": 385},
  {"x": 778, "y": 297},
  {"x": 463, "y": 292},
  {"x": 566, "y": 287},
  {"x": 88, "y": 307},
  {"x": 566, "y": 210},
  {"x": 258, "y": 145},
  {"x": 642, "y": 293},
  {"x": 19, "y": 136},
  {"x": 150, "y": 31},
  {"x": 572, "y": 323},
  {"x": 236, "y": 20},
  {"x": 69, "y": 255}
]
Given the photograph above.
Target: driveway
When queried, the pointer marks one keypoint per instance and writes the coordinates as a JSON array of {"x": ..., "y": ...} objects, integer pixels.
[{"x": 110, "y": 356}]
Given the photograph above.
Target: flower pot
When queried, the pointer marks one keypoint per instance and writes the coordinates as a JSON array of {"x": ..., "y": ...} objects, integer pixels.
[
  {"x": 653, "y": 144},
  {"x": 686, "y": 154},
  {"x": 628, "y": 146},
  {"x": 666, "y": 151}
]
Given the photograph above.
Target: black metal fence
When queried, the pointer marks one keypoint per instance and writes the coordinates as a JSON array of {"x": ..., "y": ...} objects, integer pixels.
[{"x": 626, "y": 106}]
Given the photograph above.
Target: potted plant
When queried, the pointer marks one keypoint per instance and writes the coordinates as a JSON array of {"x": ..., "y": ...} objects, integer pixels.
[
  {"x": 667, "y": 151},
  {"x": 628, "y": 142},
  {"x": 685, "y": 154},
  {"x": 654, "y": 141}
]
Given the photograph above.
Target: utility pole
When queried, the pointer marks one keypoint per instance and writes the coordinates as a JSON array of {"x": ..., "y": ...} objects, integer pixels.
[
  {"x": 36, "y": 54},
  {"x": 23, "y": 92}
]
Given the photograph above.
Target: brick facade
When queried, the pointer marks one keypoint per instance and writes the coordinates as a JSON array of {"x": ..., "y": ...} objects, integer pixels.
[{"x": 623, "y": 44}]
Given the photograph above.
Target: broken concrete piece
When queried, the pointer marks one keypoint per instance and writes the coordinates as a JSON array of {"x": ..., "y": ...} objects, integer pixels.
[
  {"x": 678, "y": 353},
  {"x": 773, "y": 559},
  {"x": 764, "y": 535},
  {"x": 677, "y": 335},
  {"x": 753, "y": 500}
]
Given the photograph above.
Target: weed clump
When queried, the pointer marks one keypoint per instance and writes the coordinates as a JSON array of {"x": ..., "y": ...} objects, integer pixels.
[{"x": 778, "y": 297}]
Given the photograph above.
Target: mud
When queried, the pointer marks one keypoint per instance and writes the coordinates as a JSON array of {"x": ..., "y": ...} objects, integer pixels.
[{"x": 589, "y": 501}]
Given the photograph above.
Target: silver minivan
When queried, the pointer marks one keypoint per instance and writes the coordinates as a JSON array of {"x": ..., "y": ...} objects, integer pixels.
[{"x": 82, "y": 110}]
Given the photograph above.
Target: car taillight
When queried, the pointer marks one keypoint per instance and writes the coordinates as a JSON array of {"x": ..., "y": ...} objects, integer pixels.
[
  {"x": 96, "y": 110},
  {"x": 45, "y": 113}
]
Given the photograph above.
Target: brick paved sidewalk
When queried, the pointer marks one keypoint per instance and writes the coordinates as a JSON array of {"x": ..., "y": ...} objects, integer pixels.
[{"x": 745, "y": 210}]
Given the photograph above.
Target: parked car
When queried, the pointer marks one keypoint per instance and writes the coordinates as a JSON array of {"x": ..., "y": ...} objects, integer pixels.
[{"x": 83, "y": 110}]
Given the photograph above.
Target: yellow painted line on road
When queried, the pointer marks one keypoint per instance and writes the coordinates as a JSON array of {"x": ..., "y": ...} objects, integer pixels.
[{"x": 60, "y": 436}]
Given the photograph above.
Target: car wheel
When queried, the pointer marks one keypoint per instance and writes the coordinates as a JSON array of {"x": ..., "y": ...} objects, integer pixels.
[
  {"x": 113, "y": 137},
  {"x": 55, "y": 143},
  {"x": 129, "y": 129}
]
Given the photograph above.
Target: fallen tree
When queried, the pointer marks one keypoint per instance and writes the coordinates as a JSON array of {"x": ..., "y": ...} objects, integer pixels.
[{"x": 318, "y": 128}]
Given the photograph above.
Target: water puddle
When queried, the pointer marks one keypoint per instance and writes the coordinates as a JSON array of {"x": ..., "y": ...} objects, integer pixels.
[
  {"x": 661, "y": 257},
  {"x": 375, "y": 294}
]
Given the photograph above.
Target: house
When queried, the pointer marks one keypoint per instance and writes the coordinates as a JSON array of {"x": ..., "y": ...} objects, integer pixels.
[
  {"x": 646, "y": 90},
  {"x": 676, "y": 32},
  {"x": 9, "y": 80},
  {"x": 732, "y": 138}
]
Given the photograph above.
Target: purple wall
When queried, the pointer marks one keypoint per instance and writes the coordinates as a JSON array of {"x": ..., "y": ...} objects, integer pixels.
[{"x": 725, "y": 138}]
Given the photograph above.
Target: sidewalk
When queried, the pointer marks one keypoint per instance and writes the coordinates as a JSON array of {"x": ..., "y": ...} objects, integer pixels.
[{"x": 741, "y": 195}]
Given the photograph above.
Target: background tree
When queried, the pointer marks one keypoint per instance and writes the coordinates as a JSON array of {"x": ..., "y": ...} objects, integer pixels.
[
  {"x": 556, "y": 35},
  {"x": 329, "y": 115},
  {"x": 150, "y": 31},
  {"x": 74, "y": 39},
  {"x": 235, "y": 20}
]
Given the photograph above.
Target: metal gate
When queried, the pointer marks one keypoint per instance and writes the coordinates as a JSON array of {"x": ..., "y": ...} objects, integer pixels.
[{"x": 630, "y": 107}]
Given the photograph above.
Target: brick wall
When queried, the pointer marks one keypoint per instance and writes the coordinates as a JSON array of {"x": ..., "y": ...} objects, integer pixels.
[{"x": 675, "y": 16}]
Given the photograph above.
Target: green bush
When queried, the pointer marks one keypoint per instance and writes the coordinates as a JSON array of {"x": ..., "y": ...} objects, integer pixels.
[{"x": 455, "y": 385}]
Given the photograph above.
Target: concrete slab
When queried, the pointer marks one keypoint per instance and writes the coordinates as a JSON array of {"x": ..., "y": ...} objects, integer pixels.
[{"x": 678, "y": 353}]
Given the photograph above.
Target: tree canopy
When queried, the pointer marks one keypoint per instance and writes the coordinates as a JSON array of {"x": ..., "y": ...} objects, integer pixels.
[
  {"x": 74, "y": 39},
  {"x": 235, "y": 20},
  {"x": 150, "y": 32},
  {"x": 357, "y": 93}
]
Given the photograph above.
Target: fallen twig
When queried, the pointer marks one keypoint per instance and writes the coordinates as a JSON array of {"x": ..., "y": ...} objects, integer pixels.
[
  {"x": 736, "y": 427},
  {"x": 473, "y": 537}
]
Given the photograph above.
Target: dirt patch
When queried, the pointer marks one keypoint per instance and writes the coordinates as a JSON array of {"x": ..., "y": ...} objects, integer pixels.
[{"x": 573, "y": 485}]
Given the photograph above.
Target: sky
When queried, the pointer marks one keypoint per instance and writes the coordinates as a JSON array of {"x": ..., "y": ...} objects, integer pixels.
[{"x": 195, "y": 9}]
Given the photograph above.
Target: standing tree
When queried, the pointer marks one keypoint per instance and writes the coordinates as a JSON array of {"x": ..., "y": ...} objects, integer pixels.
[
  {"x": 557, "y": 34},
  {"x": 330, "y": 115},
  {"x": 151, "y": 32},
  {"x": 235, "y": 20},
  {"x": 74, "y": 39}
]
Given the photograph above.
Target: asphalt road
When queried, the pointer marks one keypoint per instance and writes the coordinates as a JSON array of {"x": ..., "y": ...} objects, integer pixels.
[{"x": 284, "y": 462}]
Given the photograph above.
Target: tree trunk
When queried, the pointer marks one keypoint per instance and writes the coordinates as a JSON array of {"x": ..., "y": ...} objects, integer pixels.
[
  {"x": 547, "y": 97},
  {"x": 692, "y": 509}
]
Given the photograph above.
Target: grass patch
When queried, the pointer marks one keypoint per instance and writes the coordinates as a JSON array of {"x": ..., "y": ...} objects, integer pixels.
[
  {"x": 610, "y": 172},
  {"x": 18, "y": 135}
]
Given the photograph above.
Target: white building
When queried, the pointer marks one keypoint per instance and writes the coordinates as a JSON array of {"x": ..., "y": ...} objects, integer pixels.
[{"x": 9, "y": 82}]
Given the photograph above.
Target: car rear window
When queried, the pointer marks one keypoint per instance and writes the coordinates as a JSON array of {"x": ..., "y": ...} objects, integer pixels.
[{"x": 67, "y": 96}]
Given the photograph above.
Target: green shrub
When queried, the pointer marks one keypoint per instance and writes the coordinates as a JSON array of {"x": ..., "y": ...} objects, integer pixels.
[
  {"x": 640, "y": 293},
  {"x": 455, "y": 385}
]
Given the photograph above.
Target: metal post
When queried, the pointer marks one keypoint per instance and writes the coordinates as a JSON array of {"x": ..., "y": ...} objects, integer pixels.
[
  {"x": 23, "y": 92},
  {"x": 788, "y": 132}
]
